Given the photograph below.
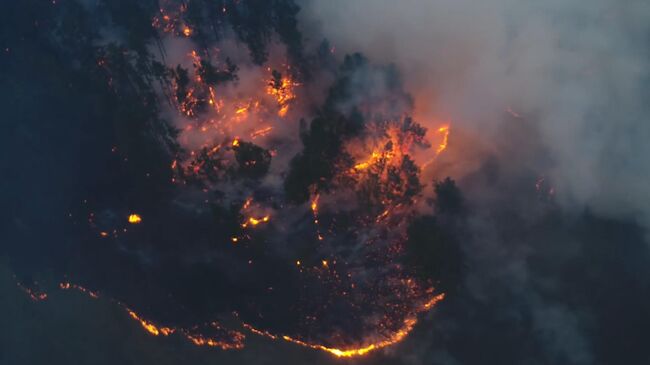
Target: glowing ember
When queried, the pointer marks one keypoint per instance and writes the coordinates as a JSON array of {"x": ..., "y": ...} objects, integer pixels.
[
  {"x": 261, "y": 132},
  {"x": 210, "y": 342},
  {"x": 255, "y": 221},
  {"x": 135, "y": 218},
  {"x": 33, "y": 294},
  {"x": 247, "y": 203},
  {"x": 232, "y": 339},
  {"x": 150, "y": 327},
  {"x": 314, "y": 209},
  {"x": 314, "y": 205},
  {"x": 68, "y": 286}
]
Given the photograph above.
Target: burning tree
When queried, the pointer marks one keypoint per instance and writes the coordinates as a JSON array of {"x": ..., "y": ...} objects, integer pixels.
[{"x": 298, "y": 210}]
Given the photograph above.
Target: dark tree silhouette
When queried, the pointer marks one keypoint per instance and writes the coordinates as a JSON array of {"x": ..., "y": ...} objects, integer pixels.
[
  {"x": 448, "y": 200},
  {"x": 254, "y": 161}
]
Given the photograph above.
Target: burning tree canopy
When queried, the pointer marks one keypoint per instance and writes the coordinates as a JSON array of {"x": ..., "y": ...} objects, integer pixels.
[{"x": 268, "y": 183}]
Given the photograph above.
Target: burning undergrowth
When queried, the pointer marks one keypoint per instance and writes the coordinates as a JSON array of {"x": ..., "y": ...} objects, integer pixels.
[
  {"x": 273, "y": 189},
  {"x": 215, "y": 176}
]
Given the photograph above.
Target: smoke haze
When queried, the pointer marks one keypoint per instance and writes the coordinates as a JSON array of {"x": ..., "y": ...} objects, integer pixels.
[
  {"x": 292, "y": 210},
  {"x": 577, "y": 71}
]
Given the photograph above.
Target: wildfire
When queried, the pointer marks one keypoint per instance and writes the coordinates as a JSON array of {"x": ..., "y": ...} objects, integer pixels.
[
  {"x": 391, "y": 339},
  {"x": 252, "y": 221},
  {"x": 215, "y": 111},
  {"x": 314, "y": 210},
  {"x": 135, "y": 218},
  {"x": 444, "y": 130},
  {"x": 281, "y": 88},
  {"x": 235, "y": 340},
  {"x": 206, "y": 341},
  {"x": 373, "y": 158},
  {"x": 34, "y": 295},
  {"x": 211, "y": 112},
  {"x": 247, "y": 203},
  {"x": 381, "y": 158},
  {"x": 393, "y": 144},
  {"x": 442, "y": 146},
  {"x": 314, "y": 205},
  {"x": 383, "y": 215},
  {"x": 68, "y": 286},
  {"x": 261, "y": 132},
  {"x": 150, "y": 327}
]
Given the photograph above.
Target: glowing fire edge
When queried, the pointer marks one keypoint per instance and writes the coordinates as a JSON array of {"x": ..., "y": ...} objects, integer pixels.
[
  {"x": 398, "y": 336},
  {"x": 153, "y": 329}
]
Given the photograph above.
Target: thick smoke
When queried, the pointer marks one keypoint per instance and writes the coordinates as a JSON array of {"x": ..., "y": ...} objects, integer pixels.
[
  {"x": 576, "y": 70},
  {"x": 549, "y": 118}
]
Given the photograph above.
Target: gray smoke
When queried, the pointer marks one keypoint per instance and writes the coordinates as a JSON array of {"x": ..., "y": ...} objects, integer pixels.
[
  {"x": 553, "y": 89},
  {"x": 577, "y": 70}
]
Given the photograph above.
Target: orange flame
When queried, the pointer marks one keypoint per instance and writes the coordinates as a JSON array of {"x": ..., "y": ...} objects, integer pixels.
[
  {"x": 34, "y": 295},
  {"x": 150, "y": 327},
  {"x": 283, "y": 93},
  {"x": 135, "y": 218},
  {"x": 314, "y": 209},
  {"x": 210, "y": 342},
  {"x": 397, "y": 336},
  {"x": 364, "y": 165},
  {"x": 261, "y": 132},
  {"x": 444, "y": 130},
  {"x": 255, "y": 221},
  {"x": 314, "y": 205}
]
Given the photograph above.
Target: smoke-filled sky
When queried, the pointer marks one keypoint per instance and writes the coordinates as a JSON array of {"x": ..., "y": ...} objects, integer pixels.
[
  {"x": 576, "y": 75},
  {"x": 250, "y": 181},
  {"x": 577, "y": 70}
]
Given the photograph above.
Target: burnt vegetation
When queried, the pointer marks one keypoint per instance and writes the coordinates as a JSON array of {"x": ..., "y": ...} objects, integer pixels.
[{"x": 105, "y": 99}]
